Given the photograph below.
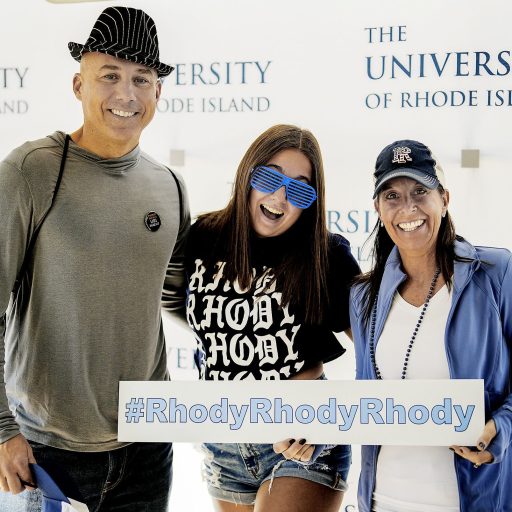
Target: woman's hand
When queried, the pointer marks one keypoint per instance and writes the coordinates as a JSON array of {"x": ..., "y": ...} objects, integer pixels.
[
  {"x": 292, "y": 449},
  {"x": 481, "y": 455}
]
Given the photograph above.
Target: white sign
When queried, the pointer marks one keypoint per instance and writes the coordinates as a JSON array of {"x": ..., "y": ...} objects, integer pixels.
[{"x": 390, "y": 412}]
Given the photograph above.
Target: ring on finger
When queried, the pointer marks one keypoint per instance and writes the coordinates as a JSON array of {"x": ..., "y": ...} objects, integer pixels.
[{"x": 476, "y": 465}]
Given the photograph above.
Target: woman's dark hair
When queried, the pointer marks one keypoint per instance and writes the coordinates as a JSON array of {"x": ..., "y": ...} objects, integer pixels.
[
  {"x": 302, "y": 274},
  {"x": 382, "y": 246}
]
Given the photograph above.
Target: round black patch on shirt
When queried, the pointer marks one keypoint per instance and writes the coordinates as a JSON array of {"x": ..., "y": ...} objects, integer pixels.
[{"x": 152, "y": 221}]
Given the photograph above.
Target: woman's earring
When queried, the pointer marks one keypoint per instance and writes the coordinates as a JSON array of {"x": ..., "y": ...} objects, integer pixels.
[{"x": 381, "y": 224}]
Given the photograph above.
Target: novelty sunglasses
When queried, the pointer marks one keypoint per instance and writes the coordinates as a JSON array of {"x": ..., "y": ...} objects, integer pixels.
[{"x": 268, "y": 180}]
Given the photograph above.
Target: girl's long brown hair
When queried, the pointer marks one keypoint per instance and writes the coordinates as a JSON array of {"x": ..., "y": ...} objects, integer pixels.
[{"x": 302, "y": 273}]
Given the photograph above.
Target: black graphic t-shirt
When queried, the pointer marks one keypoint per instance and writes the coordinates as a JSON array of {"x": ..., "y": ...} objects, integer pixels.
[{"x": 246, "y": 334}]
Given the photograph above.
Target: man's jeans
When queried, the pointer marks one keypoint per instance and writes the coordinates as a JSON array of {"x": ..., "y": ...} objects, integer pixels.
[{"x": 136, "y": 478}]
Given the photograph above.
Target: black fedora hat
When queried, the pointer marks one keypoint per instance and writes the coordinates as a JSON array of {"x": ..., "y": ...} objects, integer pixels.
[{"x": 125, "y": 33}]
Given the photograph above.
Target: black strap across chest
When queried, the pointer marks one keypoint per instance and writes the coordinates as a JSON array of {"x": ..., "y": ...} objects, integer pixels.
[{"x": 33, "y": 238}]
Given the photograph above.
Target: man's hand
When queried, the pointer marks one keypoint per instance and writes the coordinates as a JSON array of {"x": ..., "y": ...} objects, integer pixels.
[{"x": 15, "y": 455}]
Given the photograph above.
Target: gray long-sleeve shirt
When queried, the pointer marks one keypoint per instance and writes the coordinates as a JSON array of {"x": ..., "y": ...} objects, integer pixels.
[{"x": 88, "y": 313}]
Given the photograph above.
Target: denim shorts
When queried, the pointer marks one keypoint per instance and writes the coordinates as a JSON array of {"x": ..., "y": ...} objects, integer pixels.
[{"x": 235, "y": 472}]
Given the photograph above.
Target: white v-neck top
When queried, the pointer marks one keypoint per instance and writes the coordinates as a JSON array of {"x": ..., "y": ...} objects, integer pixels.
[{"x": 415, "y": 478}]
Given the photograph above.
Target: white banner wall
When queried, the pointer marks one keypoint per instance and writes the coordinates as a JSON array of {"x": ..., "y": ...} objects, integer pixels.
[{"x": 359, "y": 74}]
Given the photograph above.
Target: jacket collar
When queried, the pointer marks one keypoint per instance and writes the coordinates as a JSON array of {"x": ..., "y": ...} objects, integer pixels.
[
  {"x": 394, "y": 275},
  {"x": 463, "y": 271}
]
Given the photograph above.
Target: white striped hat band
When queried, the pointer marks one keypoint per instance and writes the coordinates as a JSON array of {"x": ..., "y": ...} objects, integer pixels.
[{"x": 125, "y": 33}]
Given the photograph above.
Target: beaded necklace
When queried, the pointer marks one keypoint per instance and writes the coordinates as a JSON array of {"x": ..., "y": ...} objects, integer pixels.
[{"x": 414, "y": 334}]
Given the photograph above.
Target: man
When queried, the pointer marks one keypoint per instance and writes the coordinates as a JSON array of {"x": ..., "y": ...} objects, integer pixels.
[{"x": 86, "y": 313}]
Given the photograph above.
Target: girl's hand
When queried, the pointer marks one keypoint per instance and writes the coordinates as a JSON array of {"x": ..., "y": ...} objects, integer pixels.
[{"x": 292, "y": 449}]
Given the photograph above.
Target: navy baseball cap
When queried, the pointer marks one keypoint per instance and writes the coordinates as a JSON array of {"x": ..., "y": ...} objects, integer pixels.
[{"x": 409, "y": 159}]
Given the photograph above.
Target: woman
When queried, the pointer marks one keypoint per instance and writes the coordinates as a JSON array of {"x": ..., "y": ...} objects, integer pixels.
[
  {"x": 268, "y": 285},
  {"x": 433, "y": 307}
]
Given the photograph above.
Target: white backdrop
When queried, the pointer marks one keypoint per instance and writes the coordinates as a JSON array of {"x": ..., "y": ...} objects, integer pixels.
[{"x": 359, "y": 74}]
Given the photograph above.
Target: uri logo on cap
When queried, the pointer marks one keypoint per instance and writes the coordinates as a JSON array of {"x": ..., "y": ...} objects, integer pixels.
[
  {"x": 401, "y": 155},
  {"x": 408, "y": 159}
]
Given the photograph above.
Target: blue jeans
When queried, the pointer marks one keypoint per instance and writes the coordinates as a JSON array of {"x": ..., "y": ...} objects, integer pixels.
[{"x": 135, "y": 478}]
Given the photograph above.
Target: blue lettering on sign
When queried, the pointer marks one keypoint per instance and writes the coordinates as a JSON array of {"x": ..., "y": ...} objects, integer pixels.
[
  {"x": 436, "y": 65},
  {"x": 264, "y": 410},
  {"x": 418, "y": 414},
  {"x": 305, "y": 414},
  {"x": 155, "y": 407},
  {"x": 260, "y": 408},
  {"x": 281, "y": 409},
  {"x": 12, "y": 77},
  {"x": 198, "y": 413},
  {"x": 351, "y": 221},
  {"x": 371, "y": 407},
  {"x": 391, "y": 409},
  {"x": 221, "y": 73},
  {"x": 464, "y": 417},
  {"x": 347, "y": 416},
  {"x": 327, "y": 413}
]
